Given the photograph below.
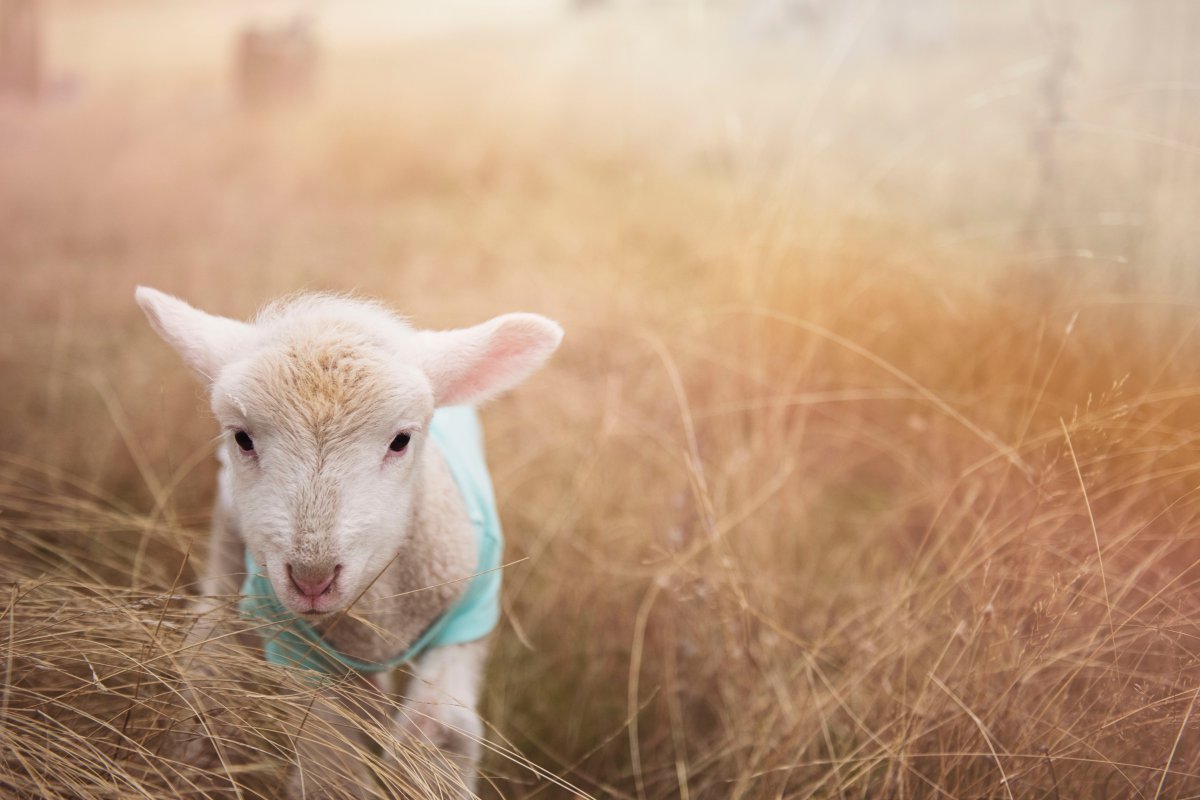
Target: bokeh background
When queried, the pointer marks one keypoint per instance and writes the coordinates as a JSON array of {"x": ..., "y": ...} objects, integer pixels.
[{"x": 868, "y": 467}]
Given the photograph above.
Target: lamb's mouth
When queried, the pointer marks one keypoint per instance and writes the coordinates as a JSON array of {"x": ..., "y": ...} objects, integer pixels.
[{"x": 313, "y": 610}]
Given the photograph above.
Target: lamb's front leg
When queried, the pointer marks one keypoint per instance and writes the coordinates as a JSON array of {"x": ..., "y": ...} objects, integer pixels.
[
  {"x": 197, "y": 735},
  {"x": 330, "y": 750},
  {"x": 223, "y": 571},
  {"x": 439, "y": 711}
]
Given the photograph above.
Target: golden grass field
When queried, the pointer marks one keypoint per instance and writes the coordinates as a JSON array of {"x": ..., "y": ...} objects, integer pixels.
[{"x": 869, "y": 465}]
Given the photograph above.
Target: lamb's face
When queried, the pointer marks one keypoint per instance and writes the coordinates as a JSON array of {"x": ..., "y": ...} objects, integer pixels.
[
  {"x": 324, "y": 403},
  {"x": 322, "y": 437}
]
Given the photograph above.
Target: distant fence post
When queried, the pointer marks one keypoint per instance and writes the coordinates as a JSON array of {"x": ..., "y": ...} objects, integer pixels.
[
  {"x": 1045, "y": 223},
  {"x": 21, "y": 48}
]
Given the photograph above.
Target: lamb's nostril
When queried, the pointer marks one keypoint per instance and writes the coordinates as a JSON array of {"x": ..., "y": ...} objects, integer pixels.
[
  {"x": 312, "y": 583},
  {"x": 337, "y": 568}
]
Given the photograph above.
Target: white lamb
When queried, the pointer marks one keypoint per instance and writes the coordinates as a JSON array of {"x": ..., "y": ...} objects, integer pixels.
[{"x": 341, "y": 487}]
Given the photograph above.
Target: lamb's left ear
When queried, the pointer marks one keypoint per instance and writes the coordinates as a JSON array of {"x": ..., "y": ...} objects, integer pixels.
[
  {"x": 473, "y": 364},
  {"x": 205, "y": 342}
]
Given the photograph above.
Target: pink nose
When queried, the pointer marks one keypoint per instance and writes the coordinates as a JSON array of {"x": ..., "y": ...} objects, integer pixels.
[{"x": 309, "y": 586}]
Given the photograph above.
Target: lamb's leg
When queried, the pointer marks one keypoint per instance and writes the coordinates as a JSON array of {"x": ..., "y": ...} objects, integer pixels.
[
  {"x": 329, "y": 755},
  {"x": 440, "y": 710},
  {"x": 219, "y": 583},
  {"x": 220, "y": 579}
]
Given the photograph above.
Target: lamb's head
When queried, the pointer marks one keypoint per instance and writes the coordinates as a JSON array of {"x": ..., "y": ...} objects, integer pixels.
[{"x": 324, "y": 403}]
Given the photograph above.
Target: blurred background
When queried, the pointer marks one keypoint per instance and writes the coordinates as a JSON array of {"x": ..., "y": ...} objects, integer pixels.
[{"x": 868, "y": 466}]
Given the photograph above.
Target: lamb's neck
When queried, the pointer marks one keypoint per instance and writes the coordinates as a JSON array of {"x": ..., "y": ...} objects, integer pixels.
[{"x": 428, "y": 574}]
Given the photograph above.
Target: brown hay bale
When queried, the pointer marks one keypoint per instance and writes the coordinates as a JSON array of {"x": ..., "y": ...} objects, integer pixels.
[{"x": 276, "y": 64}]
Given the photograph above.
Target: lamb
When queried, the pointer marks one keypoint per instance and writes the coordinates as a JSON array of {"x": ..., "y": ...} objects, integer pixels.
[{"x": 352, "y": 475}]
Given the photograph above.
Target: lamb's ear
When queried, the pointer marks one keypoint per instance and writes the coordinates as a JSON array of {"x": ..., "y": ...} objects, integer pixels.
[
  {"x": 205, "y": 342},
  {"x": 473, "y": 364}
]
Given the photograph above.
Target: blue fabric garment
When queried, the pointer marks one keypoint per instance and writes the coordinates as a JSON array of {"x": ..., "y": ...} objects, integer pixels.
[{"x": 291, "y": 641}]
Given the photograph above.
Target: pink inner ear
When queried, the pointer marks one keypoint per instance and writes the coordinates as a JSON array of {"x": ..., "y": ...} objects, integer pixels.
[
  {"x": 495, "y": 361},
  {"x": 489, "y": 370}
]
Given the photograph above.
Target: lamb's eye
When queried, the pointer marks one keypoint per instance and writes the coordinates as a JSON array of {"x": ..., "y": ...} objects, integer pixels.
[
  {"x": 244, "y": 441},
  {"x": 399, "y": 443}
]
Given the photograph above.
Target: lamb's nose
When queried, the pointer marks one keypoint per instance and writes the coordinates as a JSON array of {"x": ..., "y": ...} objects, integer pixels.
[{"x": 312, "y": 582}]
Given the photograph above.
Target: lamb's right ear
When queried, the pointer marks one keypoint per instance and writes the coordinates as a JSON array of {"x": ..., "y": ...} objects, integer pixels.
[{"x": 205, "y": 342}]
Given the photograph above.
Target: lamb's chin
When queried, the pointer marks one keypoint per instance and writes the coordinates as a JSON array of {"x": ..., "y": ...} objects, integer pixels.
[{"x": 308, "y": 611}]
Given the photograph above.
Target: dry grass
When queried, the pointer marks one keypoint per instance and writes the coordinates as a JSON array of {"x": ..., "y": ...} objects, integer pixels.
[{"x": 844, "y": 485}]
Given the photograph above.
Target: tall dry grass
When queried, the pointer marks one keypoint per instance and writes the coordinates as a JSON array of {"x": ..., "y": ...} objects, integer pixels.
[{"x": 842, "y": 486}]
